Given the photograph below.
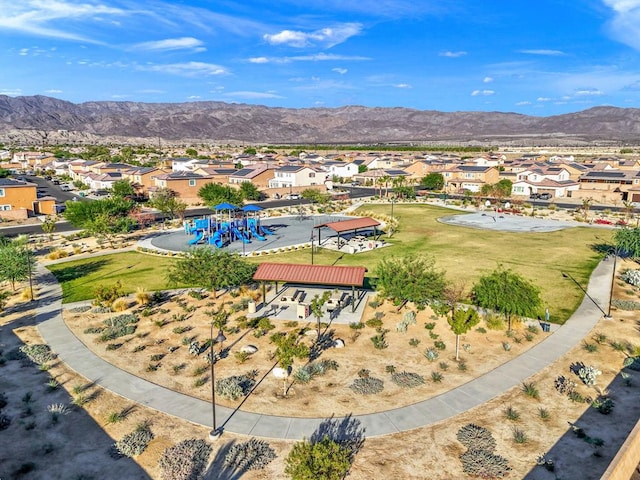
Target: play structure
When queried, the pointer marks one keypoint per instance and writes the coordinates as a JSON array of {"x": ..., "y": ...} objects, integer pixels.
[{"x": 228, "y": 224}]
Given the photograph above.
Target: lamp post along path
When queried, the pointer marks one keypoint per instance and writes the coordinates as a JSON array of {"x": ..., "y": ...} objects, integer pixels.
[
  {"x": 605, "y": 314},
  {"x": 215, "y": 432}
]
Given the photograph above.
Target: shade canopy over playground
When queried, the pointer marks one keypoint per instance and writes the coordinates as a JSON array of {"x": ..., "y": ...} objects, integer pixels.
[
  {"x": 225, "y": 206},
  {"x": 310, "y": 275},
  {"x": 252, "y": 208}
]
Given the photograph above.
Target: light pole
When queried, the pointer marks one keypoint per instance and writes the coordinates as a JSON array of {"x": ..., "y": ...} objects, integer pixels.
[
  {"x": 214, "y": 434},
  {"x": 606, "y": 315},
  {"x": 28, "y": 252},
  {"x": 613, "y": 279},
  {"x": 392, "y": 202}
]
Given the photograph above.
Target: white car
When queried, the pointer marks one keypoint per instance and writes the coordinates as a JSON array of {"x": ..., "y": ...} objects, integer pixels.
[{"x": 66, "y": 188}]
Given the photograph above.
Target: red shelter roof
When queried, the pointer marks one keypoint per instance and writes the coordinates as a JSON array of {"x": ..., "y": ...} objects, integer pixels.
[
  {"x": 352, "y": 224},
  {"x": 310, "y": 274}
]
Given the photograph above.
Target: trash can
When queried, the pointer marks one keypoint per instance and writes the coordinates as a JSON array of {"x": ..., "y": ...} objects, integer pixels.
[
  {"x": 546, "y": 327},
  {"x": 251, "y": 307}
]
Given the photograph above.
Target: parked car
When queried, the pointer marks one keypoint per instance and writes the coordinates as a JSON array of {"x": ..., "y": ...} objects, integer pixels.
[
  {"x": 293, "y": 196},
  {"x": 101, "y": 193},
  {"x": 545, "y": 196},
  {"x": 66, "y": 188}
]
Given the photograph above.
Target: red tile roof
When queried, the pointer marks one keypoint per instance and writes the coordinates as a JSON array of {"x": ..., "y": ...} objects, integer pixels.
[
  {"x": 310, "y": 274},
  {"x": 353, "y": 224}
]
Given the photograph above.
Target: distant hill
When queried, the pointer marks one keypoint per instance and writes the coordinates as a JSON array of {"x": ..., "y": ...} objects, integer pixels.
[{"x": 47, "y": 118}]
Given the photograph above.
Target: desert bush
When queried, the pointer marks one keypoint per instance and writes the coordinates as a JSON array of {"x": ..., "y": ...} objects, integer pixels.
[
  {"x": 134, "y": 443},
  {"x": 590, "y": 347},
  {"x": 494, "y": 322},
  {"x": 38, "y": 353},
  {"x": 632, "y": 363},
  {"x": 519, "y": 435},
  {"x": 374, "y": 323},
  {"x": 80, "y": 309},
  {"x": 436, "y": 377},
  {"x": 120, "y": 305},
  {"x": 588, "y": 375},
  {"x": 118, "y": 326},
  {"x": 367, "y": 385},
  {"x": 440, "y": 345},
  {"x": 142, "y": 296},
  {"x": 431, "y": 354},
  {"x": 235, "y": 386},
  {"x": 476, "y": 437},
  {"x": 484, "y": 464},
  {"x": 530, "y": 390},
  {"x": 430, "y": 325},
  {"x": 326, "y": 459},
  {"x": 511, "y": 413},
  {"x": 603, "y": 404},
  {"x": 379, "y": 341},
  {"x": 100, "y": 309},
  {"x": 632, "y": 277},
  {"x": 625, "y": 304},
  {"x": 544, "y": 414},
  {"x": 5, "y": 421},
  {"x": 407, "y": 379},
  {"x": 374, "y": 303},
  {"x": 185, "y": 461},
  {"x": 253, "y": 454},
  {"x": 105, "y": 295},
  {"x": 306, "y": 373}
]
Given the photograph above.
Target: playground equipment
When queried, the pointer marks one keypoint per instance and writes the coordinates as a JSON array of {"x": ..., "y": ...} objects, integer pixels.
[{"x": 218, "y": 231}]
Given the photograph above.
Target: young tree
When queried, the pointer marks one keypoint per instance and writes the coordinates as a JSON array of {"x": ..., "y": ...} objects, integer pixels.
[
  {"x": 210, "y": 269},
  {"x": 432, "y": 181},
  {"x": 123, "y": 189},
  {"x": 317, "y": 303},
  {"x": 16, "y": 262},
  {"x": 213, "y": 194},
  {"x": 288, "y": 348},
  {"x": 410, "y": 279},
  {"x": 249, "y": 191},
  {"x": 326, "y": 459},
  {"x": 49, "y": 226},
  {"x": 508, "y": 293},
  {"x": 461, "y": 322},
  {"x": 106, "y": 217},
  {"x": 166, "y": 201},
  {"x": 627, "y": 242}
]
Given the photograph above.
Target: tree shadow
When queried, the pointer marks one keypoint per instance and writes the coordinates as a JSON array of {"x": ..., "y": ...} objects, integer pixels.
[
  {"x": 73, "y": 272},
  {"x": 346, "y": 431},
  {"x": 218, "y": 470},
  {"x": 325, "y": 341}
]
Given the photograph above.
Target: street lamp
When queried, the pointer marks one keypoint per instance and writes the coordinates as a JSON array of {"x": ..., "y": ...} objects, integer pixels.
[
  {"x": 392, "y": 202},
  {"x": 215, "y": 433},
  {"x": 28, "y": 252},
  {"x": 613, "y": 279},
  {"x": 606, "y": 315}
]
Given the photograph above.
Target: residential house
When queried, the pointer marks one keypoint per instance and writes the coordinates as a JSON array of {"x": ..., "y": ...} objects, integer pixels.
[
  {"x": 340, "y": 169},
  {"x": 142, "y": 178},
  {"x": 258, "y": 174},
  {"x": 17, "y": 199},
  {"x": 292, "y": 176},
  {"x": 469, "y": 177},
  {"x": 375, "y": 177},
  {"x": 217, "y": 175},
  {"x": 607, "y": 186},
  {"x": 185, "y": 184}
]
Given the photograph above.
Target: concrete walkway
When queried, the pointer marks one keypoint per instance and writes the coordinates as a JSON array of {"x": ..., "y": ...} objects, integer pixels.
[{"x": 456, "y": 401}]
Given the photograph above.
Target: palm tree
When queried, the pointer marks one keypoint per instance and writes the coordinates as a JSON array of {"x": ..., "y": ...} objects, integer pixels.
[
  {"x": 386, "y": 179},
  {"x": 629, "y": 207}
]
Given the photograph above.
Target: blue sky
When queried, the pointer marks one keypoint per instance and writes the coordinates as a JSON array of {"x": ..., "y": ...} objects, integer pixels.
[{"x": 540, "y": 58}]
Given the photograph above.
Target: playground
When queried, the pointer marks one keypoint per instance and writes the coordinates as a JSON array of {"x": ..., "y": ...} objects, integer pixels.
[{"x": 249, "y": 229}]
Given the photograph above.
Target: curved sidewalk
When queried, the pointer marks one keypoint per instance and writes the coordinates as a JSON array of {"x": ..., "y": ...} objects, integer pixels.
[{"x": 436, "y": 409}]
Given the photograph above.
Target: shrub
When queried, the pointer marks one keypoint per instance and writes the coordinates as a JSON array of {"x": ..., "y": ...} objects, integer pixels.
[
  {"x": 367, "y": 385},
  {"x": 105, "y": 295},
  {"x": 407, "y": 379},
  {"x": 599, "y": 338},
  {"x": 436, "y": 377},
  {"x": 114, "y": 417},
  {"x": 120, "y": 305},
  {"x": 494, "y": 322},
  {"x": 253, "y": 454},
  {"x": 632, "y": 363},
  {"x": 38, "y": 353},
  {"x": 519, "y": 436},
  {"x": 603, "y": 404},
  {"x": 530, "y": 390},
  {"x": 625, "y": 304},
  {"x": 142, "y": 296},
  {"x": 462, "y": 366},
  {"x": 185, "y": 461},
  {"x": 80, "y": 309},
  {"x": 374, "y": 323},
  {"x": 430, "y": 325},
  {"x": 375, "y": 303},
  {"x": 484, "y": 464},
  {"x": 5, "y": 421},
  {"x": 481, "y": 330},
  {"x": 326, "y": 459},
  {"x": 544, "y": 414},
  {"x": 235, "y": 386},
  {"x": 588, "y": 375},
  {"x": 379, "y": 341},
  {"x": 134, "y": 443},
  {"x": 511, "y": 413},
  {"x": 590, "y": 347},
  {"x": 632, "y": 277},
  {"x": 431, "y": 354},
  {"x": 475, "y": 437},
  {"x": 440, "y": 345}
]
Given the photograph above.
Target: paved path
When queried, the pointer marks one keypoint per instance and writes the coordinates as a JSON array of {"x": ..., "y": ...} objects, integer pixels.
[{"x": 456, "y": 401}]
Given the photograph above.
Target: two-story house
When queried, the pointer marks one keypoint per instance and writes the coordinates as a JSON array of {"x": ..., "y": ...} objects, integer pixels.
[
  {"x": 469, "y": 177},
  {"x": 258, "y": 174},
  {"x": 292, "y": 176},
  {"x": 17, "y": 199},
  {"x": 185, "y": 184}
]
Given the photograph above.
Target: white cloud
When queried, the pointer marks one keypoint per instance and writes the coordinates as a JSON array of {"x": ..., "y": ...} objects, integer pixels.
[
  {"x": 523, "y": 103},
  {"x": 188, "y": 69},
  {"x": 549, "y": 53},
  {"x": 117, "y": 96},
  {"x": 487, "y": 80},
  {"x": 11, "y": 92},
  {"x": 624, "y": 26},
  {"x": 327, "y": 37},
  {"x": 316, "y": 57},
  {"x": 485, "y": 93},
  {"x": 193, "y": 97},
  {"x": 341, "y": 71},
  {"x": 24, "y": 52},
  {"x": 43, "y": 17},
  {"x": 252, "y": 95},
  {"x": 183, "y": 43},
  {"x": 543, "y": 99},
  {"x": 52, "y": 91},
  {"x": 589, "y": 92},
  {"x": 403, "y": 85},
  {"x": 450, "y": 54}
]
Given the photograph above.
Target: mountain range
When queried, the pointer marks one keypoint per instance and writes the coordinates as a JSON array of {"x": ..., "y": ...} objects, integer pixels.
[{"x": 51, "y": 120}]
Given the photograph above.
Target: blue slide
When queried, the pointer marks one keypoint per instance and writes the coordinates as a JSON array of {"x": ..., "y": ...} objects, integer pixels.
[
  {"x": 255, "y": 233},
  {"x": 198, "y": 237},
  {"x": 216, "y": 239},
  {"x": 240, "y": 235},
  {"x": 266, "y": 230}
]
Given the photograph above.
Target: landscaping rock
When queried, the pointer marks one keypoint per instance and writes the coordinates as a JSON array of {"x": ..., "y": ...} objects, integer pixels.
[
  {"x": 250, "y": 349},
  {"x": 279, "y": 372},
  {"x": 338, "y": 343}
]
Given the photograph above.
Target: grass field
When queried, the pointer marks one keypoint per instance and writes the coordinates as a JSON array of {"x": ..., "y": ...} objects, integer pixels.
[
  {"x": 79, "y": 278},
  {"x": 463, "y": 253}
]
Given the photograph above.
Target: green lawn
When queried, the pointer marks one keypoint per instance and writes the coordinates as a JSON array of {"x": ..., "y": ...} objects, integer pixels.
[
  {"x": 465, "y": 254},
  {"x": 79, "y": 278}
]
